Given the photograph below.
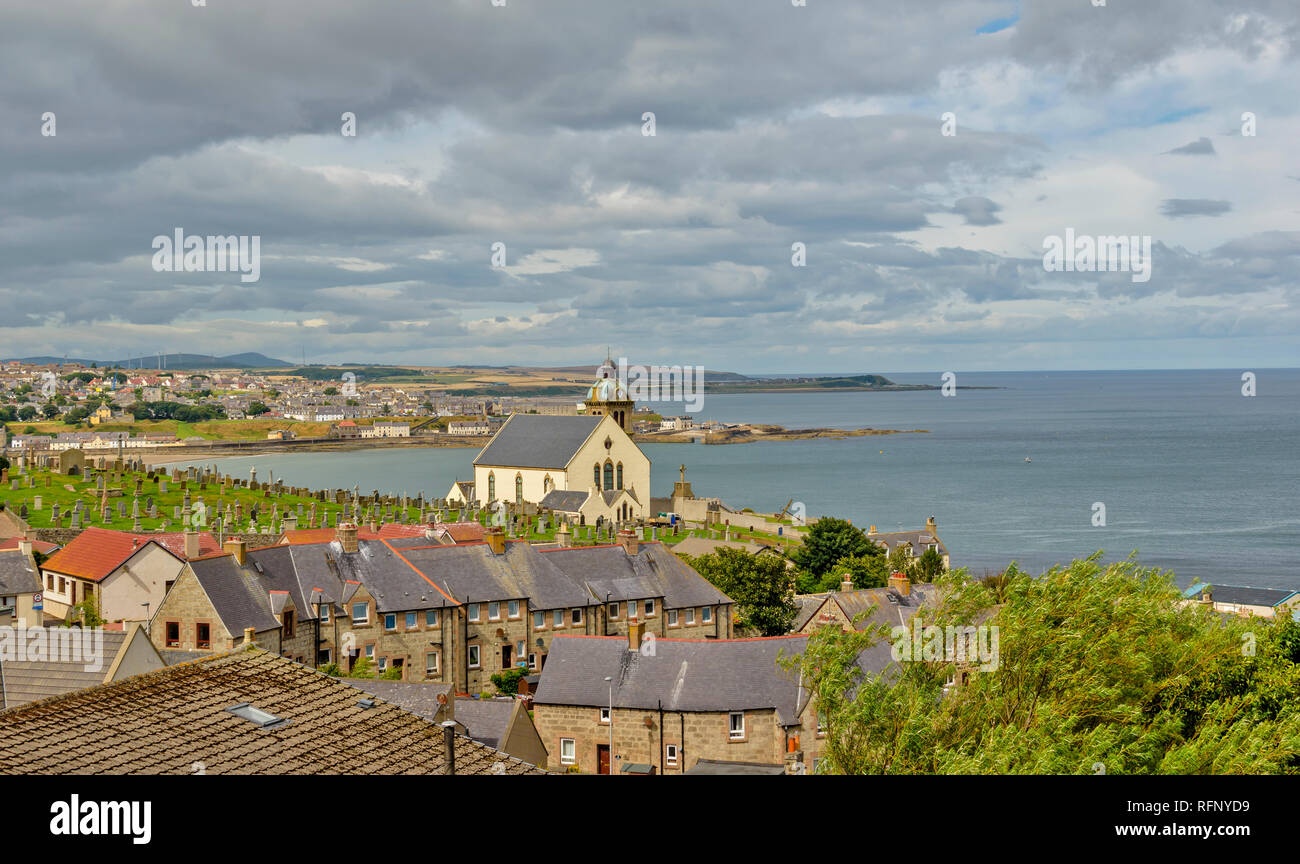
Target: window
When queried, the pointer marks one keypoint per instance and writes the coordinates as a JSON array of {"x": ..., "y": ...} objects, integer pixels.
[
  {"x": 631, "y": 608},
  {"x": 821, "y": 722},
  {"x": 557, "y": 620},
  {"x": 512, "y": 609},
  {"x": 620, "y": 476},
  {"x": 173, "y": 634},
  {"x": 568, "y": 747},
  {"x": 577, "y": 617},
  {"x": 383, "y": 664},
  {"x": 672, "y": 617},
  {"x": 390, "y": 621},
  {"x": 360, "y": 613},
  {"x": 539, "y": 620},
  {"x": 202, "y": 636},
  {"x": 473, "y": 656},
  {"x": 520, "y": 647},
  {"x": 492, "y": 486},
  {"x": 649, "y": 608},
  {"x": 604, "y": 715},
  {"x": 532, "y": 661},
  {"x": 431, "y": 663},
  {"x": 613, "y": 610},
  {"x": 706, "y": 614},
  {"x": 737, "y": 719},
  {"x": 690, "y": 616},
  {"x": 412, "y": 621},
  {"x": 670, "y": 754},
  {"x": 595, "y": 477},
  {"x": 323, "y": 610},
  {"x": 255, "y": 715},
  {"x": 473, "y": 611},
  {"x": 49, "y": 582},
  {"x": 494, "y": 611},
  {"x": 286, "y": 623},
  {"x": 519, "y": 489},
  {"x": 609, "y": 475},
  {"x": 370, "y": 650}
]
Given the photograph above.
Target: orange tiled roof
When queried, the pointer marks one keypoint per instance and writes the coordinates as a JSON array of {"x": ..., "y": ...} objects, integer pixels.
[
  {"x": 463, "y": 532},
  {"x": 37, "y": 545},
  {"x": 97, "y": 552}
]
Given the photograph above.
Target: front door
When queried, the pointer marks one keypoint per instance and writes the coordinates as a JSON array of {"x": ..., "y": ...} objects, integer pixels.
[
  {"x": 506, "y": 657},
  {"x": 602, "y": 758}
]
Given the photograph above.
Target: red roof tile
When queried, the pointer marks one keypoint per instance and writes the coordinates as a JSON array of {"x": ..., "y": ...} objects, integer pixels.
[{"x": 97, "y": 552}]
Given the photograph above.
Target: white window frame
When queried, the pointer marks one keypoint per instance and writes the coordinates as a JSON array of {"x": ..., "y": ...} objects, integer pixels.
[
  {"x": 604, "y": 716},
  {"x": 494, "y": 616},
  {"x": 571, "y": 745},
  {"x": 733, "y": 733},
  {"x": 575, "y": 616},
  {"x": 412, "y": 621},
  {"x": 363, "y": 620},
  {"x": 690, "y": 616},
  {"x": 512, "y": 609},
  {"x": 706, "y": 614},
  {"x": 475, "y": 656},
  {"x": 557, "y": 619},
  {"x": 672, "y": 617},
  {"x": 670, "y": 754},
  {"x": 387, "y": 617},
  {"x": 432, "y": 668},
  {"x": 474, "y": 612},
  {"x": 650, "y": 608},
  {"x": 613, "y": 611}
]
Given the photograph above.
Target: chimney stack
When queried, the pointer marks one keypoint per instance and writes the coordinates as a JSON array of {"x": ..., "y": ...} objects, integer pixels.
[
  {"x": 191, "y": 545},
  {"x": 900, "y": 583},
  {"x": 25, "y": 546},
  {"x": 374, "y": 527},
  {"x": 846, "y": 582},
  {"x": 346, "y": 534},
  {"x": 931, "y": 528},
  {"x": 249, "y": 635},
  {"x": 635, "y": 630},
  {"x": 237, "y": 547},
  {"x": 496, "y": 539},
  {"x": 563, "y": 535},
  {"x": 627, "y": 539},
  {"x": 449, "y": 746},
  {"x": 872, "y": 531}
]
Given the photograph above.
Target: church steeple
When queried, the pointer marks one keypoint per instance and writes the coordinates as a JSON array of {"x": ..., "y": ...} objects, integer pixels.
[{"x": 608, "y": 395}]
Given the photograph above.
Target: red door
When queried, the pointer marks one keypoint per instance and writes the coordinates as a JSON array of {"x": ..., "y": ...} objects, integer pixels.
[{"x": 602, "y": 758}]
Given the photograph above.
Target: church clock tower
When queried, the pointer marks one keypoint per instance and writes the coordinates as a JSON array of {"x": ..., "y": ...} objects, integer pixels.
[{"x": 609, "y": 396}]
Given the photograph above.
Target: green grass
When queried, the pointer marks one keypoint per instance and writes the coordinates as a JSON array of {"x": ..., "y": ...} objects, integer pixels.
[{"x": 213, "y": 497}]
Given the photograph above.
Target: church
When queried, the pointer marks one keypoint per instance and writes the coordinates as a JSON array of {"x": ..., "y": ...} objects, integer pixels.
[{"x": 586, "y": 467}]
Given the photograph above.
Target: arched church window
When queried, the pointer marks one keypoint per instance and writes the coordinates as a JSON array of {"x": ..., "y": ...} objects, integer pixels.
[
  {"x": 519, "y": 489},
  {"x": 595, "y": 475},
  {"x": 609, "y": 475},
  {"x": 547, "y": 483},
  {"x": 620, "y": 476},
  {"x": 492, "y": 486}
]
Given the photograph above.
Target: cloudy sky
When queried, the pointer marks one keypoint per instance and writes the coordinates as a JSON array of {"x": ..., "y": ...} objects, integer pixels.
[{"x": 775, "y": 124}]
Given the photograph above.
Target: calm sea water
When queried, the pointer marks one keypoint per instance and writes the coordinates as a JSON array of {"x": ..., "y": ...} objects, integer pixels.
[{"x": 1193, "y": 475}]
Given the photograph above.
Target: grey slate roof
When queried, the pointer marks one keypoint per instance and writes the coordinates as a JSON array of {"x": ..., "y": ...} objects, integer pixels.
[
  {"x": 919, "y": 540},
  {"x": 236, "y": 596},
  {"x": 32, "y": 680},
  {"x": 1249, "y": 596},
  {"x": 16, "y": 574},
  {"x": 890, "y": 607},
  {"x": 486, "y": 720},
  {"x": 537, "y": 441},
  {"x": 685, "y": 675},
  {"x": 740, "y": 769},
  {"x": 421, "y": 699},
  {"x": 522, "y": 572},
  {"x": 563, "y": 500},
  {"x": 653, "y": 572}
]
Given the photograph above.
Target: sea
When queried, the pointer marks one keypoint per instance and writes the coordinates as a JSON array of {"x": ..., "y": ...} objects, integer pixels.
[{"x": 1180, "y": 469}]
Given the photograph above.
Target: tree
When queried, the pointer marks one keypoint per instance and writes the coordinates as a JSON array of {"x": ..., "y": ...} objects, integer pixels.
[
  {"x": 49, "y": 410},
  {"x": 828, "y": 541},
  {"x": 507, "y": 682},
  {"x": 362, "y": 668},
  {"x": 866, "y": 571},
  {"x": 929, "y": 565},
  {"x": 256, "y": 408},
  {"x": 331, "y": 391},
  {"x": 1090, "y": 665},
  {"x": 760, "y": 585}
]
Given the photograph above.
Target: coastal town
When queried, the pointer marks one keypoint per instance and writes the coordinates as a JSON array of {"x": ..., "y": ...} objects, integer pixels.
[{"x": 549, "y": 615}]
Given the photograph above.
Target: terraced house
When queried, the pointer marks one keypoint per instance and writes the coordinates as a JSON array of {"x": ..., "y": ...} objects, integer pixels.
[{"x": 455, "y": 613}]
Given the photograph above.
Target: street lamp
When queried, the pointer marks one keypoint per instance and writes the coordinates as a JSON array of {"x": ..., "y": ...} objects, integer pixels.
[{"x": 610, "y": 680}]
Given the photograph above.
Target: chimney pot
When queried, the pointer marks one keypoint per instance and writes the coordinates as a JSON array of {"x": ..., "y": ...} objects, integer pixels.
[
  {"x": 449, "y": 746},
  {"x": 900, "y": 583},
  {"x": 496, "y": 539}
]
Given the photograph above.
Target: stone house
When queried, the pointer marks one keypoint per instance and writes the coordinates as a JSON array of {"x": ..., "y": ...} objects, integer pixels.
[
  {"x": 20, "y": 582},
  {"x": 615, "y": 705}
]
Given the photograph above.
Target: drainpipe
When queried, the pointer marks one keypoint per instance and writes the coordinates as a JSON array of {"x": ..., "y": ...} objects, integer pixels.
[
  {"x": 661, "y": 737},
  {"x": 681, "y": 754},
  {"x": 606, "y": 616}
]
